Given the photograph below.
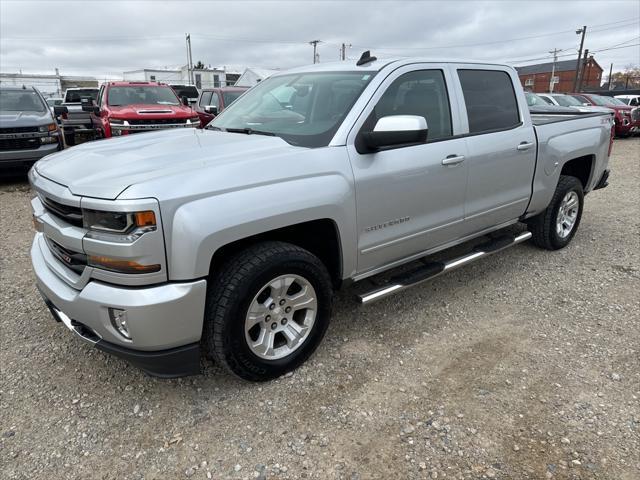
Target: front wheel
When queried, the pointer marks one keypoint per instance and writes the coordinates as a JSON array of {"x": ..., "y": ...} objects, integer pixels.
[
  {"x": 554, "y": 228},
  {"x": 267, "y": 310}
]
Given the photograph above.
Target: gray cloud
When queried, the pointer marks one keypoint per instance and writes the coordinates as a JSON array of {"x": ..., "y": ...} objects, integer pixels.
[{"x": 107, "y": 38}]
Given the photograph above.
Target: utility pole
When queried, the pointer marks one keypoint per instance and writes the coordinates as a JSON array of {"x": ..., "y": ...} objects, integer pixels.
[
  {"x": 582, "y": 69},
  {"x": 343, "y": 51},
  {"x": 315, "y": 48},
  {"x": 610, "y": 73},
  {"x": 553, "y": 68},
  {"x": 582, "y": 31},
  {"x": 189, "y": 59}
]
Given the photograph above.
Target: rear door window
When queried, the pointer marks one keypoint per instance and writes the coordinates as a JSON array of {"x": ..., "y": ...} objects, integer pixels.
[{"x": 490, "y": 100}]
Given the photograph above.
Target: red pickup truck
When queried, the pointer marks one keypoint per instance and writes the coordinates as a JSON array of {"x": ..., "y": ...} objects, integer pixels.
[
  {"x": 213, "y": 100},
  {"x": 123, "y": 108},
  {"x": 624, "y": 124}
]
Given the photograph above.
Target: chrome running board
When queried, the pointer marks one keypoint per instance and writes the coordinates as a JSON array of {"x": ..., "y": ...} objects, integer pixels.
[{"x": 435, "y": 269}]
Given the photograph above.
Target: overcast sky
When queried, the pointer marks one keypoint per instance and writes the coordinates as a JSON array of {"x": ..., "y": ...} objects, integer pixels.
[{"x": 106, "y": 38}]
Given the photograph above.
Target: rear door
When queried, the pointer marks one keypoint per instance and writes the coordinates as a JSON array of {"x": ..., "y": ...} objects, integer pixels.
[
  {"x": 501, "y": 146},
  {"x": 410, "y": 198}
]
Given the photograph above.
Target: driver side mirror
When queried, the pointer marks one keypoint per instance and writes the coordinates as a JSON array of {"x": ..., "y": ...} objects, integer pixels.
[
  {"x": 60, "y": 110},
  {"x": 185, "y": 100},
  {"x": 396, "y": 130},
  {"x": 211, "y": 110}
]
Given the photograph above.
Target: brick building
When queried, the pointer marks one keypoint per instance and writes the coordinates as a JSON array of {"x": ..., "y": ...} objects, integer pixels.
[{"x": 536, "y": 78}]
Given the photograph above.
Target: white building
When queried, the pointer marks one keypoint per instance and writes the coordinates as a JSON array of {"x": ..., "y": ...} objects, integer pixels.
[
  {"x": 251, "y": 76},
  {"x": 49, "y": 85},
  {"x": 153, "y": 75},
  {"x": 202, "y": 78}
]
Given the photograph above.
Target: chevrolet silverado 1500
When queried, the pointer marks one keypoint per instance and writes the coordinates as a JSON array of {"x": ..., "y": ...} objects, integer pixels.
[
  {"x": 28, "y": 130},
  {"x": 123, "y": 108},
  {"x": 231, "y": 240},
  {"x": 76, "y": 123}
]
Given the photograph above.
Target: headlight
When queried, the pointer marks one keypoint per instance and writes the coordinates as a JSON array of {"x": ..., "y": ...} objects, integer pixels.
[
  {"x": 52, "y": 127},
  {"x": 118, "y": 222}
]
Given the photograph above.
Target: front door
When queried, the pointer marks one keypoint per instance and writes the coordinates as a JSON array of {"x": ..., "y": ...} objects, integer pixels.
[{"x": 411, "y": 198}]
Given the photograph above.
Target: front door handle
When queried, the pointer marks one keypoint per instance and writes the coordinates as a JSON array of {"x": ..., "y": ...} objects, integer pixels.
[
  {"x": 524, "y": 146},
  {"x": 453, "y": 160}
]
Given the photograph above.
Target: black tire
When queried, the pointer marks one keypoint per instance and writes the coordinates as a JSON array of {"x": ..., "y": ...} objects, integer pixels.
[
  {"x": 70, "y": 140},
  {"x": 543, "y": 225},
  {"x": 231, "y": 292}
]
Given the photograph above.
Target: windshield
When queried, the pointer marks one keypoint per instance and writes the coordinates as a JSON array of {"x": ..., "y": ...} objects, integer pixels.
[
  {"x": 599, "y": 100},
  {"x": 120, "y": 96},
  {"x": 567, "y": 101},
  {"x": 188, "y": 91},
  {"x": 303, "y": 109},
  {"x": 52, "y": 102},
  {"x": 76, "y": 96},
  {"x": 534, "y": 100},
  {"x": 21, "y": 101},
  {"x": 613, "y": 101},
  {"x": 229, "y": 97}
]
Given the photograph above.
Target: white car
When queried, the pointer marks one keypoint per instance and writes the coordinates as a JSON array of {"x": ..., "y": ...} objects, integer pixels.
[
  {"x": 631, "y": 100},
  {"x": 562, "y": 100}
]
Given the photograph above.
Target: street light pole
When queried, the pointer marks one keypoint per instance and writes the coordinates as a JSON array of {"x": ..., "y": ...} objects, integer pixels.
[{"x": 582, "y": 31}]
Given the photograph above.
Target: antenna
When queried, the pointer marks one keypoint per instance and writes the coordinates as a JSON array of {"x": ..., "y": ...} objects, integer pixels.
[{"x": 366, "y": 58}]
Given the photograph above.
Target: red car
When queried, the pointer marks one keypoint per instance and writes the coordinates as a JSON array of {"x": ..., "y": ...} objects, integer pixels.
[
  {"x": 624, "y": 124},
  {"x": 213, "y": 100},
  {"x": 123, "y": 108}
]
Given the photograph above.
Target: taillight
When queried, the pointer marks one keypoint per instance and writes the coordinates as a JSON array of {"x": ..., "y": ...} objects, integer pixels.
[{"x": 613, "y": 133}]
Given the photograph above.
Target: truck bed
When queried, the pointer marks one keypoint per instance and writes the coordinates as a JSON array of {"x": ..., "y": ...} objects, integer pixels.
[
  {"x": 564, "y": 137},
  {"x": 544, "y": 118}
]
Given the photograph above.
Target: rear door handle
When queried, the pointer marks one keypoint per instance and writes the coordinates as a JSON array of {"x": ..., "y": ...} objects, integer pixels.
[
  {"x": 524, "y": 146},
  {"x": 453, "y": 160}
]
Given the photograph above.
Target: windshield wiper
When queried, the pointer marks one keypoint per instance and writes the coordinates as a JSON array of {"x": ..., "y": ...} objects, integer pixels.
[{"x": 249, "y": 131}]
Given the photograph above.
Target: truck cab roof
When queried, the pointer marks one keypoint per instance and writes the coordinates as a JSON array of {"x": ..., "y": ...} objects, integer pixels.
[{"x": 378, "y": 64}]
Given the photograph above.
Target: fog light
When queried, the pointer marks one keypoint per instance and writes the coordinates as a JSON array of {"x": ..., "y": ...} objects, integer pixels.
[{"x": 119, "y": 320}]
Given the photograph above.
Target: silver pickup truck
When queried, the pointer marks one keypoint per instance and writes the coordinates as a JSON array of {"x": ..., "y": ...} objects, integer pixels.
[
  {"x": 230, "y": 241},
  {"x": 76, "y": 123}
]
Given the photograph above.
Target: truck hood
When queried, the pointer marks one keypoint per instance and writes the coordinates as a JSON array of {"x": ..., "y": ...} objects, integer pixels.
[
  {"x": 152, "y": 111},
  {"x": 104, "y": 169},
  {"x": 25, "y": 119}
]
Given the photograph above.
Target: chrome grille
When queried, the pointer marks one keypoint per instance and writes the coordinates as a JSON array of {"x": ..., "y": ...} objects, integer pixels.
[{"x": 68, "y": 213}]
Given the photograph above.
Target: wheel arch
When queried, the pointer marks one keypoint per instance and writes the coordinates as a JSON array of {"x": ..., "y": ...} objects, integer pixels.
[
  {"x": 580, "y": 168},
  {"x": 321, "y": 237}
]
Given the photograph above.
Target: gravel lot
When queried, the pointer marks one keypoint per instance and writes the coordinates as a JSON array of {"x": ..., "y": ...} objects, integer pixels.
[{"x": 525, "y": 365}]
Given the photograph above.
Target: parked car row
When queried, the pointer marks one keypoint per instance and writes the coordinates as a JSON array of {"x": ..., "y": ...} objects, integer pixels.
[
  {"x": 116, "y": 108},
  {"x": 627, "y": 117}
]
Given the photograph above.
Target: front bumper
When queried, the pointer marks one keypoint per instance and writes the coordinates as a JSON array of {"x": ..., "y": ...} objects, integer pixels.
[
  {"x": 18, "y": 158},
  {"x": 165, "y": 321}
]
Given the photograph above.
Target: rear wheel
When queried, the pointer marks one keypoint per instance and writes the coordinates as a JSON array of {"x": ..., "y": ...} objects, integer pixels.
[
  {"x": 267, "y": 310},
  {"x": 556, "y": 226}
]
